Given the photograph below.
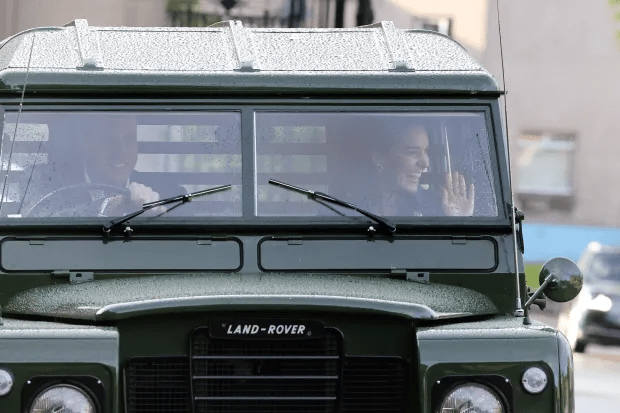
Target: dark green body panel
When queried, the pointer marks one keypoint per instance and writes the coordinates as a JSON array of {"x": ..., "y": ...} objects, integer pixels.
[
  {"x": 496, "y": 346},
  {"x": 34, "y": 348},
  {"x": 119, "y": 295},
  {"x": 500, "y": 346}
]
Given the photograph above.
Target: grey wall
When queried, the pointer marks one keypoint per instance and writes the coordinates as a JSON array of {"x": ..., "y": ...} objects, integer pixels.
[
  {"x": 562, "y": 64},
  {"x": 18, "y": 15}
]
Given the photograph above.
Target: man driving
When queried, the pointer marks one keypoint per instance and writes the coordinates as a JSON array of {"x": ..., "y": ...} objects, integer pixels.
[{"x": 104, "y": 182}]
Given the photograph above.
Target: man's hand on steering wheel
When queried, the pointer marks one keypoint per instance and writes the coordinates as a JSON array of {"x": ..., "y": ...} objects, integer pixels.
[
  {"x": 139, "y": 194},
  {"x": 92, "y": 199}
]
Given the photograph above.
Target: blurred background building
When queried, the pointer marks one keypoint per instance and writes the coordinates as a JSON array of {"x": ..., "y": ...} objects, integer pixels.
[{"x": 562, "y": 60}]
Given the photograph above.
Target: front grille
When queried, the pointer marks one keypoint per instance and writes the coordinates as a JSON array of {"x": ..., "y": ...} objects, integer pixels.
[
  {"x": 158, "y": 385},
  {"x": 265, "y": 376},
  {"x": 374, "y": 384}
]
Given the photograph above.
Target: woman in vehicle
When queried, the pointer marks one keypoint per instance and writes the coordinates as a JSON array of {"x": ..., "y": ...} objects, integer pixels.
[{"x": 400, "y": 159}]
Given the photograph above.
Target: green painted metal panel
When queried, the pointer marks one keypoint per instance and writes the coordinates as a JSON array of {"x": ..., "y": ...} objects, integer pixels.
[
  {"x": 153, "y": 255},
  {"x": 415, "y": 254}
]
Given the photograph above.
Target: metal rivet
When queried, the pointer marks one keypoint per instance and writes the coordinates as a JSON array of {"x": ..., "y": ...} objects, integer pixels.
[
  {"x": 223, "y": 325},
  {"x": 438, "y": 381},
  {"x": 28, "y": 382}
]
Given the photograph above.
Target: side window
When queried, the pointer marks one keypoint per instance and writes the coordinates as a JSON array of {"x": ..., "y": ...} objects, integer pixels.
[{"x": 24, "y": 147}]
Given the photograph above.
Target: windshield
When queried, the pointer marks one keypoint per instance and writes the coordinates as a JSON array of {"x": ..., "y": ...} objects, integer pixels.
[
  {"x": 108, "y": 164},
  {"x": 87, "y": 164},
  {"x": 391, "y": 164}
]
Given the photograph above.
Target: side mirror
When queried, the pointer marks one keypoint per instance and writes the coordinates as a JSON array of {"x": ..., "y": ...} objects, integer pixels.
[
  {"x": 560, "y": 279},
  {"x": 563, "y": 279}
]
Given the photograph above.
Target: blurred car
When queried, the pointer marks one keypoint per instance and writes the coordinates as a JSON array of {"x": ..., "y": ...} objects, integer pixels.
[{"x": 595, "y": 316}]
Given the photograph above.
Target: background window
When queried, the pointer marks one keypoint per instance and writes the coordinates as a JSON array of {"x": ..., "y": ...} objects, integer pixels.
[{"x": 545, "y": 165}]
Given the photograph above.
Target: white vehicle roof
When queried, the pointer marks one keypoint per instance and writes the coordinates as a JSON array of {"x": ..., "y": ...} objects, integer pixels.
[{"x": 229, "y": 57}]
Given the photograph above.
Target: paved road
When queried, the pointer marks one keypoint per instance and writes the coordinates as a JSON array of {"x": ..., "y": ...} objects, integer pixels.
[
  {"x": 597, "y": 380},
  {"x": 597, "y": 376}
]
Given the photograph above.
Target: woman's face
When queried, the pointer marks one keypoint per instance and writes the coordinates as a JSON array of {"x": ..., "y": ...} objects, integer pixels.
[{"x": 408, "y": 159}]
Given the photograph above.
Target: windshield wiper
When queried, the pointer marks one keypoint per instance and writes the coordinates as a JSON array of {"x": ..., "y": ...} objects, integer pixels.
[
  {"x": 181, "y": 199},
  {"x": 320, "y": 196}
]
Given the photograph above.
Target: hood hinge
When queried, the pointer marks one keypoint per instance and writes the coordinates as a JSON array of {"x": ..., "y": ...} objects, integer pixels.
[
  {"x": 75, "y": 277},
  {"x": 415, "y": 276}
]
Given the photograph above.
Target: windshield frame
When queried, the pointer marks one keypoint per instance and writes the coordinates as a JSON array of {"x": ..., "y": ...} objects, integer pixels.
[{"x": 248, "y": 109}]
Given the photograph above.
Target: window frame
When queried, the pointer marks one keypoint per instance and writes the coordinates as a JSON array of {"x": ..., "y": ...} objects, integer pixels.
[{"x": 248, "y": 109}]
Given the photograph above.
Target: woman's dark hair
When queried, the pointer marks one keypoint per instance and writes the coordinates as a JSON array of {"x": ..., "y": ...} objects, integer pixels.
[{"x": 384, "y": 131}]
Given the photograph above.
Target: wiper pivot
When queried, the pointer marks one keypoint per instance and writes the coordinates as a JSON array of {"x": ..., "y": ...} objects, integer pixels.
[
  {"x": 315, "y": 195},
  {"x": 149, "y": 205}
]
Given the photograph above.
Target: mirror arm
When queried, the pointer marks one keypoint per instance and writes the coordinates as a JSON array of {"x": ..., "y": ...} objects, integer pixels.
[{"x": 549, "y": 280}]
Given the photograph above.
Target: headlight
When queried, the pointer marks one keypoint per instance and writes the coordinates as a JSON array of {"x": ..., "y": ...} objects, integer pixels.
[
  {"x": 63, "y": 398},
  {"x": 600, "y": 303},
  {"x": 6, "y": 382},
  {"x": 472, "y": 398}
]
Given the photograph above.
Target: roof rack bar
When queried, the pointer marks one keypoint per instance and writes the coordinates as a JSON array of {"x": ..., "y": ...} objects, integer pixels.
[
  {"x": 242, "y": 44},
  {"x": 395, "y": 45},
  {"x": 88, "y": 45}
]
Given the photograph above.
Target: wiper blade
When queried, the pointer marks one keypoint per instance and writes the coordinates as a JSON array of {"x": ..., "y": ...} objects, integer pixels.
[
  {"x": 145, "y": 207},
  {"x": 316, "y": 196}
]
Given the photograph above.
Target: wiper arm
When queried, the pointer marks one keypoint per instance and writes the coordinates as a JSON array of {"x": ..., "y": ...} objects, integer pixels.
[
  {"x": 145, "y": 207},
  {"x": 315, "y": 195}
]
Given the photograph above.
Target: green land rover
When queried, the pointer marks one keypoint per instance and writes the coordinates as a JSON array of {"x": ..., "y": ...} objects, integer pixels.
[{"x": 351, "y": 244}]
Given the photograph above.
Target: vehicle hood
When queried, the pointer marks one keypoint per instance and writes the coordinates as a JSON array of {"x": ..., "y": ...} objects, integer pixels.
[{"x": 113, "y": 299}]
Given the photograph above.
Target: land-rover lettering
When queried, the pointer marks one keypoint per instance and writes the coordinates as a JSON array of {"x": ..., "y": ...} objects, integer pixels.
[{"x": 265, "y": 329}]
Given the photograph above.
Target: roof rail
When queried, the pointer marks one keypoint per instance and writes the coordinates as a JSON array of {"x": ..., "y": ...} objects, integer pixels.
[
  {"x": 395, "y": 45},
  {"x": 88, "y": 45},
  {"x": 242, "y": 44}
]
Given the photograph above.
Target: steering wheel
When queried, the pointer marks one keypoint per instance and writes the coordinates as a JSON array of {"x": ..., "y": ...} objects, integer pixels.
[{"x": 75, "y": 195}]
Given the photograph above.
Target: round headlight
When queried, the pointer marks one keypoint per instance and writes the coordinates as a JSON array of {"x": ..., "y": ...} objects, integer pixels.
[
  {"x": 6, "y": 382},
  {"x": 534, "y": 380},
  {"x": 63, "y": 398},
  {"x": 472, "y": 398}
]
